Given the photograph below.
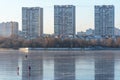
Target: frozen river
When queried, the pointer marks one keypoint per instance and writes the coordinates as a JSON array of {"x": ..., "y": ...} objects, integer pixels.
[{"x": 60, "y": 65}]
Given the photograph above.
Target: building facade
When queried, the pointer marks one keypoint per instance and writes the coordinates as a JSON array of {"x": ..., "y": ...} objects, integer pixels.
[
  {"x": 104, "y": 20},
  {"x": 32, "y": 22},
  {"x": 64, "y": 20},
  {"x": 8, "y": 29}
]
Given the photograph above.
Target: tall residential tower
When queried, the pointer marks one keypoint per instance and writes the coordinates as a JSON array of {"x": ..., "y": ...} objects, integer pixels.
[
  {"x": 64, "y": 20},
  {"x": 104, "y": 20},
  {"x": 32, "y": 22}
]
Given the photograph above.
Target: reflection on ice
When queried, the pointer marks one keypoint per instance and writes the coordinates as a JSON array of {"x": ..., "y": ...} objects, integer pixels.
[{"x": 59, "y": 65}]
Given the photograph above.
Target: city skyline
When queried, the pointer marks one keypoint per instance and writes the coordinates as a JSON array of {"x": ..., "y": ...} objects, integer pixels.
[{"x": 84, "y": 12}]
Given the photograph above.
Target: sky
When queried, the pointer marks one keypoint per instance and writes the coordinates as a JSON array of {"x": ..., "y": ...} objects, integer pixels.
[{"x": 11, "y": 10}]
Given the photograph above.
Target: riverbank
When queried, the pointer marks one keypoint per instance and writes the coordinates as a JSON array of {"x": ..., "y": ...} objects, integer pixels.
[
  {"x": 68, "y": 49},
  {"x": 60, "y": 49}
]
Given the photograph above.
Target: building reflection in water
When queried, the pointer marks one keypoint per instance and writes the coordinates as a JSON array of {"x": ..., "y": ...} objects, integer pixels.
[
  {"x": 84, "y": 66},
  {"x": 32, "y": 66},
  {"x": 8, "y": 64},
  {"x": 48, "y": 67},
  {"x": 117, "y": 65},
  {"x": 104, "y": 66},
  {"x": 64, "y": 67}
]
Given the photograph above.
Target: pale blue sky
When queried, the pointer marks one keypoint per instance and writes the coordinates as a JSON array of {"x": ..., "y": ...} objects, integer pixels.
[{"x": 10, "y": 10}]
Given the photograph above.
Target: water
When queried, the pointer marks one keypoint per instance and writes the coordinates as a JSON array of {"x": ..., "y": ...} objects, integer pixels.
[{"x": 60, "y": 65}]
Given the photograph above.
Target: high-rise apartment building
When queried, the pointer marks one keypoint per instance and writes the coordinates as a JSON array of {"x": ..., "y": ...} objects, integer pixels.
[
  {"x": 32, "y": 22},
  {"x": 8, "y": 29},
  {"x": 64, "y": 20},
  {"x": 104, "y": 20}
]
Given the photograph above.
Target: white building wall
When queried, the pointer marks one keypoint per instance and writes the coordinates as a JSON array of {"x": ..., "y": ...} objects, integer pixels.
[{"x": 8, "y": 29}]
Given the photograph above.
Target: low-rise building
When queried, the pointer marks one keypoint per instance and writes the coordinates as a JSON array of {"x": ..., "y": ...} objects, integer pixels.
[
  {"x": 81, "y": 33},
  {"x": 117, "y": 32},
  {"x": 89, "y": 32}
]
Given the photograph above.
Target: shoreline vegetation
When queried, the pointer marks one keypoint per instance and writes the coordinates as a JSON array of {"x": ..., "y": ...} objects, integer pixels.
[{"x": 49, "y": 42}]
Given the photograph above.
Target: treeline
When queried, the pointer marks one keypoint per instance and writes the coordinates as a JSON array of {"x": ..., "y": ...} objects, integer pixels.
[{"x": 50, "y": 42}]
